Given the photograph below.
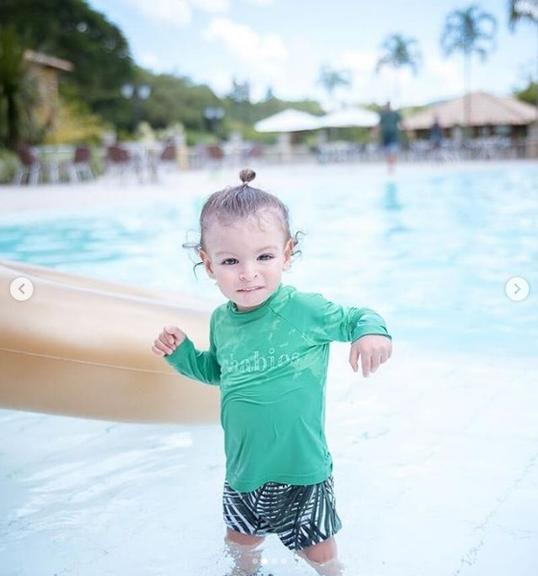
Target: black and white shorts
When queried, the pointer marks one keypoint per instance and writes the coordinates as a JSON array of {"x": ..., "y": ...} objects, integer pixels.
[{"x": 301, "y": 516}]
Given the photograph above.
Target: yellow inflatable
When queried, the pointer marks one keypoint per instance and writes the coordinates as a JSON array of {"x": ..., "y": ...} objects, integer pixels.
[{"x": 82, "y": 347}]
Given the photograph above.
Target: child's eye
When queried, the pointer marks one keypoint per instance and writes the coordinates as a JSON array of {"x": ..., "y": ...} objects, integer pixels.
[
  {"x": 229, "y": 261},
  {"x": 265, "y": 257}
]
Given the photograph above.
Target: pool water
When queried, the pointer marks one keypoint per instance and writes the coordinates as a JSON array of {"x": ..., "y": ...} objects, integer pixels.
[{"x": 430, "y": 249}]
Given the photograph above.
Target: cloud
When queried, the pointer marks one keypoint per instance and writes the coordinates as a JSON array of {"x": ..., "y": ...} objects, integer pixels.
[
  {"x": 212, "y": 6},
  {"x": 362, "y": 62},
  {"x": 265, "y": 53},
  {"x": 177, "y": 12},
  {"x": 446, "y": 73}
]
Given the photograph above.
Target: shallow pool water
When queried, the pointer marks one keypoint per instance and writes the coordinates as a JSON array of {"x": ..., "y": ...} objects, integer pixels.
[{"x": 431, "y": 249}]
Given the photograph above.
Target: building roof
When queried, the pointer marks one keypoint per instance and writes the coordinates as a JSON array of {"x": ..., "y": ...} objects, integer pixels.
[
  {"x": 48, "y": 61},
  {"x": 486, "y": 110}
]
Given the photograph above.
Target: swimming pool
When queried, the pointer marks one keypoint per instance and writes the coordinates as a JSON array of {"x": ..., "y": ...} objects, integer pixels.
[
  {"x": 431, "y": 248},
  {"x": 436, "y": 466}
]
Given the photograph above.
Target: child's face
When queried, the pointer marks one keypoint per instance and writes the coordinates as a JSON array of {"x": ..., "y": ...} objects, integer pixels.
[{"x": 247, "y": 258}]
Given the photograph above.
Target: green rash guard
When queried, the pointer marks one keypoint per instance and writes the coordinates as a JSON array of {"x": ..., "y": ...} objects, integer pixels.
[{"x": 271, "y": 366}]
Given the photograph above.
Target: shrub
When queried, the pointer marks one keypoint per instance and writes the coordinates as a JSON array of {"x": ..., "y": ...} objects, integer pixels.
[{"x": 8, "y": 165}]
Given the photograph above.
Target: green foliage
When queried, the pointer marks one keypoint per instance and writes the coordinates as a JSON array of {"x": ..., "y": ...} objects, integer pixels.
[
  {"x": 194, "y": 138},
  {"x": 519, "y": 10},
  {"x": 174, "y": 100},
  {"x": 470, "y": 30},
  {"x": 8, "y": 165},
  {"x": 331, "y": 79},
  {"x": 18, "y": 93},
  {"x": 12, "y": 74},
  {"x": 528, "y": 94},
  {"x": 398, "y": 52},
  {"x": 75, "y": 124},
  {"x": 72, "y": 30}
]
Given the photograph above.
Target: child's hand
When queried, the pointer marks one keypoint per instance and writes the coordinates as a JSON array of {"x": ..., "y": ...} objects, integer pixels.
[
  {"x": 169, "y": 339},
  {"x": 373, "y": 350}
]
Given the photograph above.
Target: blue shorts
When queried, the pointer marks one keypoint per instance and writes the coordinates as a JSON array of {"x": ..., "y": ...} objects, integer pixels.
[
  {"x": 301, "y": 516},
  {"x": 391, "y": 147}
]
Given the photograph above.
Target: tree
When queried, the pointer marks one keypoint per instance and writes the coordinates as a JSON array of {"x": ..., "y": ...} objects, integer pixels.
[
  {"x": 399, "y": 52},
  {"x": 331, "y": 79},
  {"x": 269, "y": 94},
  {"x": 240, "y": 97},
  {"x": 17, "y": 91},
  {"x": 11, "y": 78},
  {"x": 72, "y": 30},
  {"x": 528, "y": 94},
  {"x": 524, "y": 10},
  {"x": 176, "y": 100},
  {"x": 470, "y": 31}
]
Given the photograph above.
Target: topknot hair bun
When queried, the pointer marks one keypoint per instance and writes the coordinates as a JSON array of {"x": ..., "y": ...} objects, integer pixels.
[{"x": 247, "y": 175}]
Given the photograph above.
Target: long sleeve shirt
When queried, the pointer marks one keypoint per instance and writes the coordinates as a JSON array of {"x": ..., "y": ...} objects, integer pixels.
[{"x": 271, "y": 366}]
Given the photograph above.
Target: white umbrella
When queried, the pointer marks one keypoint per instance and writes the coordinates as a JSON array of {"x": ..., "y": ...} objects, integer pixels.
[
  {"x": 289, "y": 120},
  {"x": 348, "y": 117}
]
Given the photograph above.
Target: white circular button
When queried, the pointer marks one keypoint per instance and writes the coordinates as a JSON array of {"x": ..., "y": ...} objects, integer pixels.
[
  {"x": 517, "y": 289},
  {"x": 21, "y": 289}
]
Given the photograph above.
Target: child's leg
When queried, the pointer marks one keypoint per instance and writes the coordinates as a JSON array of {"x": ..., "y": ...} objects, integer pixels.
[
  {"x": 323, "y": 557},
  {"x": 245, "y": 551}
]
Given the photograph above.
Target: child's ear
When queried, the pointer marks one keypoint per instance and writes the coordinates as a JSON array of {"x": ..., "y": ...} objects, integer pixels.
[
  {"x": 288, "y": 249},
  {"x": 207, "y": 263}
]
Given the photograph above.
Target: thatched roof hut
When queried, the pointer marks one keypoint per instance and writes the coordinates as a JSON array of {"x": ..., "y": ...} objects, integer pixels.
[{"x": 485, "y": 110}]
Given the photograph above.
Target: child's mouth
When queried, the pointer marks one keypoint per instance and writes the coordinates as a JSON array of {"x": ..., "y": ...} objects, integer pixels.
[{"x": 250, "y": 289}]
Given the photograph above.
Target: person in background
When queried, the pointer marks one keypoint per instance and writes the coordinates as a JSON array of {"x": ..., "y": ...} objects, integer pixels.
[
  {"x": 436, "y": 134},
  {"x": 389, "y": 133}
]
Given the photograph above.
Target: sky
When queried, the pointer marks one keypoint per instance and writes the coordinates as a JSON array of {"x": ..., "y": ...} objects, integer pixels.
[{"x": 283, "y": 44}]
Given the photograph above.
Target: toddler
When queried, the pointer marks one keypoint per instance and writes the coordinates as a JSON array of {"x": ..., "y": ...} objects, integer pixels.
[{"x": 268, "y": 353}]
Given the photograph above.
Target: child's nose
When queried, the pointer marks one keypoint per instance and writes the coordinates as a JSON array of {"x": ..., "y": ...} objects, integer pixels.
[{"x": 248, "y": 272}]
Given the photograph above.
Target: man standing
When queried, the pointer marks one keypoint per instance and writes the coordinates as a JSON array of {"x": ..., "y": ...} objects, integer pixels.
[{"x": 389, "y": 131}]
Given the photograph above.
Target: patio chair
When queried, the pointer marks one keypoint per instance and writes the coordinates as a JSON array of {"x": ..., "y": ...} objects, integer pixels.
[
  {"x": 117, "y": 158},
  {"x": 214, "y": 152},
  {"x": 169, "y": 153},
  {"x": 30, "y": 168},
  {"x": 80, "y": 168},
  {"x": 166, "y": 159},
  {"x": 256, "y": 151}
]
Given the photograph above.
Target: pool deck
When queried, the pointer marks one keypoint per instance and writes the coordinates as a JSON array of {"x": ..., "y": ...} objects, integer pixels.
[{"x": 121, "y": 190}]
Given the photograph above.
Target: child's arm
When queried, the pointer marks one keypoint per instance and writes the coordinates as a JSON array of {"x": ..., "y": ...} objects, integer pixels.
[
  {"x": 326, "y": 321},
  {"x": 178, "y": 350}
]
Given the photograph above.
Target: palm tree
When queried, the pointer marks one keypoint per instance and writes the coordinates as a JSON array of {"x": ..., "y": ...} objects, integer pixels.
[
  {"x": 399, "y": 52},
  {"x": 469, "y": 31},
  {"x": 520, "y": 10},
  {"x": 331, "y": 79}
]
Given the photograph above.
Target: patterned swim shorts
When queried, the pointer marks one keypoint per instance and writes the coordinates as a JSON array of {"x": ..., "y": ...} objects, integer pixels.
[{"x": 301, "y": 516}]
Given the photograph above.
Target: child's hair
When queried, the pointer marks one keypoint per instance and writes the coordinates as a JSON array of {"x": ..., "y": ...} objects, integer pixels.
[{"x": 236, "y": 202}]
